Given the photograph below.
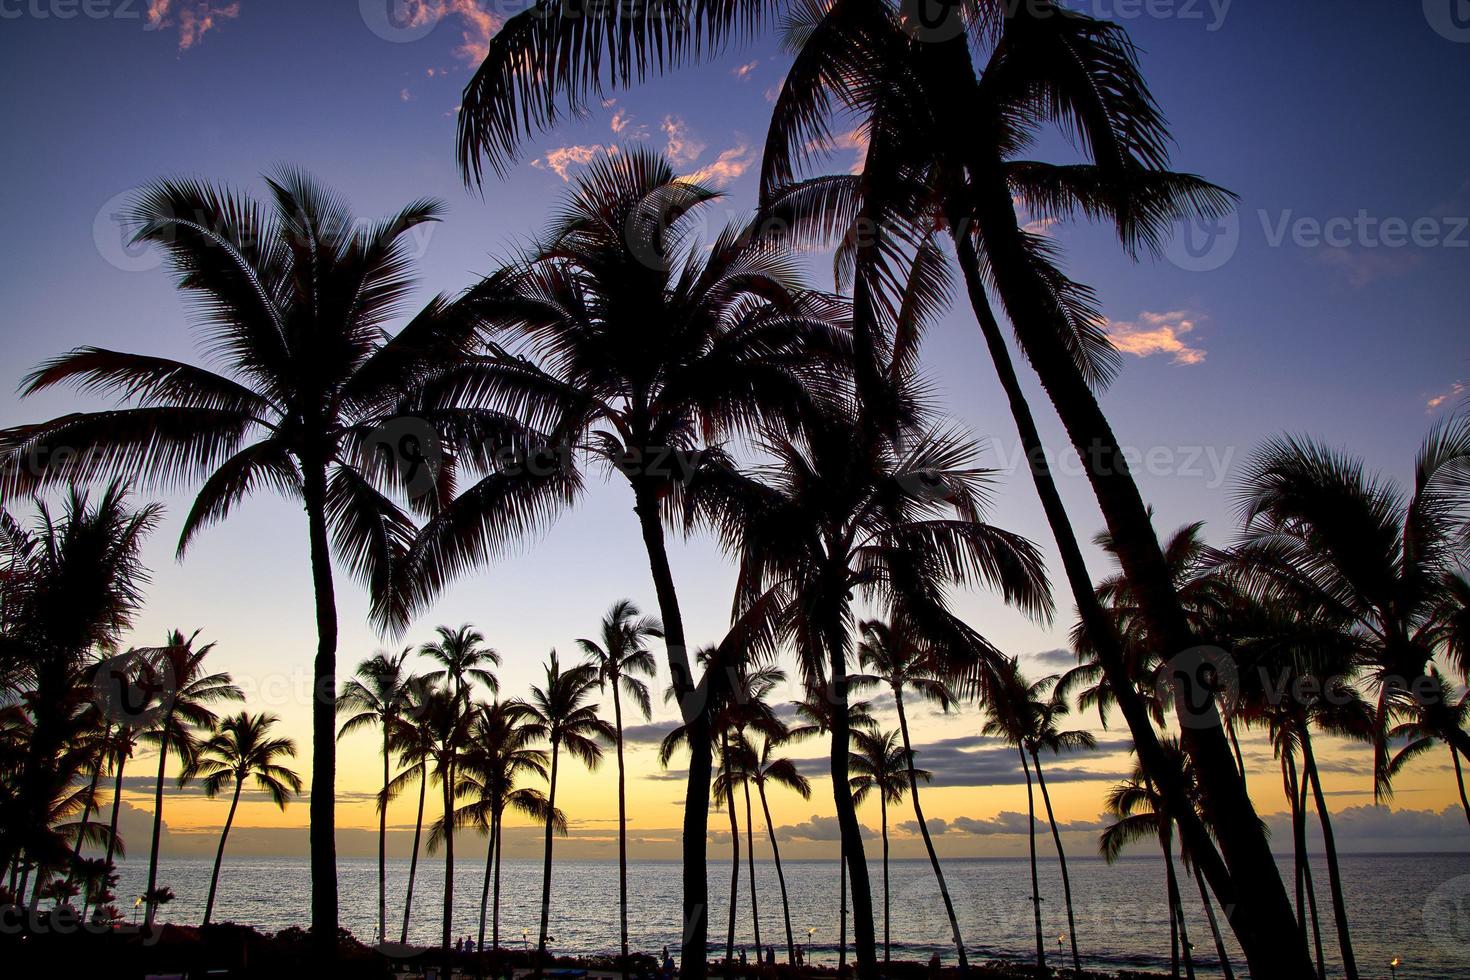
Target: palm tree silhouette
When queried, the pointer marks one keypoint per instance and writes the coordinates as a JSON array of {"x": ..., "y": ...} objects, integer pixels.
[
  {"x": 897, "y": 659},
  {"x": 185, "y": 710},
  {"x": 376, "y": 696},
  {"x": 558, "y": 712},
  {"x": 768, "y": 770},
  {"x": 883, "y": 766},
  {"x": 620, "y": 660},
  {"x": 446, "y": 720},
  {"x": 1441, "y": 718},
  {"x": 414, "y": 750},
  {"x": 638, "y": 362},
  {"x": 310, "y": 392},
  {"x": 462, "y": 657},
  {"x": 242, "y": 750}
]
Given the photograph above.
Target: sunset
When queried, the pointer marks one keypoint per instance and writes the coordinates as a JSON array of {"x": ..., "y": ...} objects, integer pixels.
[{"x": 811, "y": 489}]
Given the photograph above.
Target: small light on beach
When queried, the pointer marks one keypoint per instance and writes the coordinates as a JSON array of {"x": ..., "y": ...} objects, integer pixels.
[{"x": 1393, "y": 967}]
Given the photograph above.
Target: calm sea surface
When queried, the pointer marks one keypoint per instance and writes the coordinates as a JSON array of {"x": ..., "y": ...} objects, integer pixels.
[{"x": 1416, "y": 907}]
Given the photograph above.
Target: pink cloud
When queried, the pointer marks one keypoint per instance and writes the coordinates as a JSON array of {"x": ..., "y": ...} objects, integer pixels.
[
  {"x": 1157, "y": 333},
  {"x": 726, "y": 168},
  {"x": 1454, "y": 391},
  {"x": 194, "y": 18},
  {"x": 743, "y": 72},
  {"x": 683, "y": 146},
  {"x": 561, "y": 160}
]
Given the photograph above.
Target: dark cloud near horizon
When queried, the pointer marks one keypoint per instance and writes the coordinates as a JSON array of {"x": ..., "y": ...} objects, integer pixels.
[{"x": 975, "y": 761}]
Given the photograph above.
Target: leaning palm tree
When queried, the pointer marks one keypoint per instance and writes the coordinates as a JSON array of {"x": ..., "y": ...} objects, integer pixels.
[
  {"x": 558, "y": 712},
  {"x": 242, "y": 749},
  {"x": 186, "y": 711},
  {"x": 293, "y": 300},
  {"x": 637, "y": 349},
  {"x": 621, "y": 660},
  {"x": 462, "y": 657},
  {"x": 1440, "y": 718},
  {"x": 446, "y": 720},
  {"x": 376, "y": 697},
  {"x": 882, "y": 765},
  {"x": 772, "y": 770},
  {"x": 897, "y": 657}
]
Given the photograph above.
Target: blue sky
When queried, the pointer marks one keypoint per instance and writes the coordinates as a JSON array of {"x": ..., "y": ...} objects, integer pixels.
[{"x": 1348, "y": 119}]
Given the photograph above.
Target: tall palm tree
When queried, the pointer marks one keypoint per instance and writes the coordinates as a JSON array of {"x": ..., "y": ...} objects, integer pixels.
[
  {"x": 1440, "y": 718},
  {"x": 462, "y": 658},
  {"x": 621, "y": 660},
  {"x": 897, "y": 658},
  {"x": 414, "y": 751},
  {"x": 242, "y": 749},
  {"x": 447, "y": 720},
  {"x": 498, "y": 756},
  {"x": 844, "y": 510},
  {"x": 771, "y": 770},
  {"x": 882, "y": 765},
  {"x": 558, "y": 712},
  {"x": 293, "y": 300},
  {"x": 376, "y": 696},
  {"x": 186, "y": 710},
  {"x": 638, "y": 350}
]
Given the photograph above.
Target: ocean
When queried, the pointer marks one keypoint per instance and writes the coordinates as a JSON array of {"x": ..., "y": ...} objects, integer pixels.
[{"x": 1414, "y": 907}]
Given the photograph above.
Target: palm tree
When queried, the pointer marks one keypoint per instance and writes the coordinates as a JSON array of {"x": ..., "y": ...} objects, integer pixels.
[
  {"x": 1441, "y": 718},
  {"x": 293, "y": 300},
  {"x": 446, "y": 720},
  {"x": 844, "y": 510},
  {"x": 376, "y": 697},
  {"x": 186, "y": 710},
  {"x": 898, "y": 659},
  {"x": 638, "y": 362},
  {"x": 769, "y": 769},
  {"x": 620, "y": 660},
  {"x": 242, "y": 750},
  {"x": 414, "y": 750},
  {"x": 462, "y": 658},
  {"x": 558, "y": 712},
  {"x": 498, "y": 755},
  {"x": 882, "y": 765}
]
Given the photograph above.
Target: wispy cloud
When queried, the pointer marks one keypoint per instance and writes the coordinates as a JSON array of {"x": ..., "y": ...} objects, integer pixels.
[
  {"x": 726, "y": 168},
  {"x": 477, "y": 23},
  {"x": 561, "y": 160},
  {"x": 624, "y": 127},
  {"x": 854, "y": 141},
  {"x": 743, "y": 72},
  {"x": 682, "y": 145},
  {"x": 193, "y": 18},
  {"x": 1450, "y": 394},
  {"x": 1157, "y": 333}
]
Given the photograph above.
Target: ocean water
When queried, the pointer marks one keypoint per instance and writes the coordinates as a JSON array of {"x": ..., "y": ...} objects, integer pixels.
[{"x": 1415, "y": 907}]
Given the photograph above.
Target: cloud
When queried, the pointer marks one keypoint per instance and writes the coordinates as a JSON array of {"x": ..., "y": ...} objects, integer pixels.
[
  {"x": 1372, "y": 827},
  {"x": 477, "y": 23},
  {"x": 1452, "y": 392},
  {"x": 404, "y": 95},
  {"x": 651, "y": 734},
  {"x": 726, "y": 168},
  {"x": 682, "y": 146},
  {"x": 622, "y": 126},
  {"x": 854, "y": 140},
  {"x": 1054, "y": 658},
  {"x": 817, "y": 828},
  {"x": 193, "y": 18},
  {"x": 974, "y": 761},
  {"x": 1157, "y": 333},
  {"x": 562, "y": 159},
  {"x": 743, "y": 71}
]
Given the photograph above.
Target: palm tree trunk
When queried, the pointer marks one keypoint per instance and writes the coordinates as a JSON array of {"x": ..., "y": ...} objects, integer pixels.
[
  {"x": 323, "y": 831},
  {"x": 413, "y": 859},
  {"x": 755, "y": 907},
  {"x": 1035, "y": 883},
  {"x": 1460, "y": 781},
  {"x": 1176, "y": 900},
  {"x": 546, "y": 865},
  {"x": 853, "y": 855},
  {"x": 1056, "y": 837},
  {"x": 887, "y": 906},
  {"x": 735, "y": 855},
  {"x": 1171, "y": 888},
  {"x": 219, "y": 855},
  {"x": 495, "y": 910},
  {"x": 1306, "y": 872},
  {"x": 485, "y": 888},
  {"x": 1204, "y": 897},
  {"x": 908, "y": 751},
  {"x": 150, "y": 906},
  {"x": 88, "y": 803},
  {"x": 841, "y": 907},
  {"x": 447, "y": 926},
  {"x": 780, "y": 875},
  {"x": 122, "y": 758},
  {"x": 1329, "y": 844},
  {"x": 622, "y": 832},
  {"x": 1235, "y": 746},
  {"x": 383, "y": 845},
  {"x": 1263, "y": 923},
  {"x": 694, "y": 954}
]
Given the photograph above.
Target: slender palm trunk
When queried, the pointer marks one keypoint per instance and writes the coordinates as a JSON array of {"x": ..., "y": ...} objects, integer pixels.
[
  {"x": 887, "y": 906},
  {"x": 151, "y": 906},
  {"x": 1204, "y": 897},
  {"x": 1306, "y": 872},
  {"x": 853, "y": 854},
  {"x": 485, "y": 888},
  {"x": 1235, "y": 747},
  {"x": 117, "y": 781},
  {"x": 323, "y": 831},
  {"x": 734, "y": 855},
  {"x": 622, "y": 832},
  {"x": 780, "y": 875},
  {"x": 1035, "y": 882},
  {"x": 908, "y": 751},
  {"x": 447, "y": 926},
  {"x": 841, "y": 908},
  {"x": 546, "y": 863},
  {"x": 694, "y": 954},
  {"x": 383, "y": 844},
  {"x": 1056, "y": 837},
  {"x": 1263, "y": 923},
  {"x": 755, "y": 907},
  {"x": 219, "y": 855},
  {"x": 89, "y": 803},
  {"x": 1460, "y": 781},
  {"x": 1329, "y": 844},
  {"x": 413, "y": 858},
  {"x": 1176, "y": 907},
  {"x": 495, "y": 910},
  {"x": 1171, "y": 888}
]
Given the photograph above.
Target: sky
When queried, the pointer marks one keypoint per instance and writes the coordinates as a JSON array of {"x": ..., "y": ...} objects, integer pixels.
[{"x": 1331, "y": 304}]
